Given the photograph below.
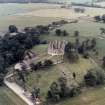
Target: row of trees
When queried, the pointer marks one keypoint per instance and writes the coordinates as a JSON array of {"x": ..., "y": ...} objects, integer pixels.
[
  {"x": 39, "y": 65},
  {"x": 60, "y": 32},
  {"x": 71, "y": 52},
  {"x": 73, "y": 49},
  {"x": 38, "y": 30}
]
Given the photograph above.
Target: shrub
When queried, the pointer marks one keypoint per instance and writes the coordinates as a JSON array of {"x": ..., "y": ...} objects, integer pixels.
[
  {"x": 48, "y": 63},
  {"x": 86, "y": 55}
]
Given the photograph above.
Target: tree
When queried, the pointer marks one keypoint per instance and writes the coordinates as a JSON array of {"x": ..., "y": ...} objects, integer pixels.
[
  {"x": 102, "y": 30},
  {"x": 1, "y": 79},
  {"x": 35, "y": 93},
  {"x": 97, "y": 18},
  {"x": 60, "y": 90},
  {"x": 86, "y": 55},
  {"x": 74, "y": 91},
  {"x": 77, "y": 44},
  {"x": 85, "y": 46},
  {"x": 74, "y": 75},
  {"x": 13, "y": 28},
  {"x": 28, "y": 42},
  {"x": 103, "y": 18},
  {"x": 76, "y": 33},
  {"x": 93, "y": 43},
  {"x": 69, "y": 47},
  {"x": 64, "y": 33},
  {"x": 33, "y": 66},
  {"x": 71, "y": 53},
  {"x": 90, "y": 78},
  {"x": 21, "y": 76},
  {"x": 2, "y": 65},
  {"x": 63, "y": 86},
  {"x": 48, "y": 63},
  {"x": 39, "y": 65},
  {"x": 58, "y": 32},
  {"x": 54, "y": 92},
  {"x": 103, "y": 62}
]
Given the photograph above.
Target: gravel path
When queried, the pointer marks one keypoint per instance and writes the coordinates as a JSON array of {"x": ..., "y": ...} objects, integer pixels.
[{"x": 19, "y": 91}]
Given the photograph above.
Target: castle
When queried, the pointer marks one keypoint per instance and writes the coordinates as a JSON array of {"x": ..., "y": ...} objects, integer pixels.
[{"x": 56, "y": 48}]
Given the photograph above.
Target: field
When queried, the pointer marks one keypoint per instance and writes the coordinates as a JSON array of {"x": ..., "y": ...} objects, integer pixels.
[
  {"x": 90, "y": 97},
  {"x": 7, "y": 97},
  {"x": 43, "y": 78},
  {"x": 67, "y": 13},
  {"x": 87, "y": 29},
  {"x": 23, "y": 21}
]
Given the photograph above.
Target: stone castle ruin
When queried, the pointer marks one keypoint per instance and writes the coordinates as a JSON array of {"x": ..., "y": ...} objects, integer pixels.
[{"x": 56, "y": 48}]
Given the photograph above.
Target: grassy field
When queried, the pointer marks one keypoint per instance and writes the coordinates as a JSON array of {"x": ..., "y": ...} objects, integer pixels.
[
  {"x": 95, "y": 96},
  {"x": 87, "y": 30},
  {"x": 7, "y": 97},
  {"x": 44, "y": 78},
  {"x": 23, "y": 21}
]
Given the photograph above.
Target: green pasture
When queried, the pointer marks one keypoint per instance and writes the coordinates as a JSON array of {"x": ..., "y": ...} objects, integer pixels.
[{"x": 7, "y": 97}]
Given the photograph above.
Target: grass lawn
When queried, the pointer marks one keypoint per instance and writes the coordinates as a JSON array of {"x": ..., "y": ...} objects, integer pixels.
[{"x": 7, "y": 97}]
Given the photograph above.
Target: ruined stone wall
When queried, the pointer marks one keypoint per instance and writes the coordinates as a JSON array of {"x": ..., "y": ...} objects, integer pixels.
[{"x": 56, "y": 47}]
